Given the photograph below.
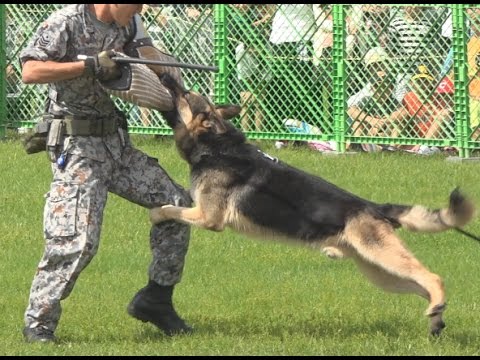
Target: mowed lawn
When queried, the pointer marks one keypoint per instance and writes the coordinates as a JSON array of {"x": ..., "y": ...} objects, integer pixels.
[{"x": 245, "y": 296}]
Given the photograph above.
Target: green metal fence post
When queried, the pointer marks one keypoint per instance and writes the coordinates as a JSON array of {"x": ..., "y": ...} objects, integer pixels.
[
  {"x": 220, "y": 50},
  {"x": 339, "y": 55},
  {"x": 461, "y": 95},
  {"x": 3, "y": 62}
]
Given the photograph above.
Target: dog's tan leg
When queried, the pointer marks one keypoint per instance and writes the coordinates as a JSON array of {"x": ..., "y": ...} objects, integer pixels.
[
  {"x": 384, "y": 259},
  {"x": 191, "y": 216}
]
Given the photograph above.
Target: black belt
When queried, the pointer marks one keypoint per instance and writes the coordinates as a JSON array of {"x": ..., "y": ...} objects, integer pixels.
[{"x": 89, "y": 127}]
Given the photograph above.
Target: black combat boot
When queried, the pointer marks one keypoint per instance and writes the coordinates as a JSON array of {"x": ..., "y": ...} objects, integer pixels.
[
  {"x": 153, "y": 303},
  {"x": 38, "y": 334}
]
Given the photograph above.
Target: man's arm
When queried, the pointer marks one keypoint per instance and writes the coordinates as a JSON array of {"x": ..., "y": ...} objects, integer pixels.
[
  {"x": 100, "y": 66},
  {"x": 399, "y": 115},
  {"x": 356, "y": 113},
  {"x": 42, "y": 72}
]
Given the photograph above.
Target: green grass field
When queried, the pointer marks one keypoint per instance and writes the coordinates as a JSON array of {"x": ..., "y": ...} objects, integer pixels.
[{"x": 244, "y": 296}]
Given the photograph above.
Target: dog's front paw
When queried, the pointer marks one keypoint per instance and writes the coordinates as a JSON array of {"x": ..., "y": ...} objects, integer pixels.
[
  {"x": 158, "y": 215},
  {"x": 333, "y": 252}
]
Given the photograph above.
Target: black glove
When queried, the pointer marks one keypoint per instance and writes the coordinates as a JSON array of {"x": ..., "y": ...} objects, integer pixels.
[{"x": 102, "y": 66}]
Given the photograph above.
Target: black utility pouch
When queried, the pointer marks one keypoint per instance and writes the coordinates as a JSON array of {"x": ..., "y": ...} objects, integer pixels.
[{"x": 36, "y": 140}]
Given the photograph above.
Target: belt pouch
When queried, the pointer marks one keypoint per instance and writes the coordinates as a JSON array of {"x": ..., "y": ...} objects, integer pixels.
[{"x": 54, "y": 140}]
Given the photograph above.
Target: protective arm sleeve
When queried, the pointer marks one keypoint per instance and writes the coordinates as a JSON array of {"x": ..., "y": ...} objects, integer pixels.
[{"x": 139, "y": 84}]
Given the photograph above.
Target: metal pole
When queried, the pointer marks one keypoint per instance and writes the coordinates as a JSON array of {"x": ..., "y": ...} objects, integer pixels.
[
  {"x": 461, "y": 95},
  {"x": 339, "y": 54},
  {"x": 130, "y": 60},
  {"x": 3, "y": 65},
  {"x": 220, "y": 40}
]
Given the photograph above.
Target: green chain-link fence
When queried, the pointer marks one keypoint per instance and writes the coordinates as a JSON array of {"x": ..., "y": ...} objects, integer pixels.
[{"x": 341, "y": 76}]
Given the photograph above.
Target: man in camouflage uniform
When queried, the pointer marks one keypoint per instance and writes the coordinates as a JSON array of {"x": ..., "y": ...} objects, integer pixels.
[{"x": 95, "y": 157}]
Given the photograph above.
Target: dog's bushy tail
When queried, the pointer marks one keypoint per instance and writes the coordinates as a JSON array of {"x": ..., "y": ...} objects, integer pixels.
[{"x": 418, "y": 218}]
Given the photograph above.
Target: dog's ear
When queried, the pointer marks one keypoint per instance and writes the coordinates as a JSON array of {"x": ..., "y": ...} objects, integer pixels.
[
  {"x": 228, "y": 111},
  {"x": 217, "y": 127},
  {"x": 172, "y": 118},
  {"x": 167, "y": 80}
]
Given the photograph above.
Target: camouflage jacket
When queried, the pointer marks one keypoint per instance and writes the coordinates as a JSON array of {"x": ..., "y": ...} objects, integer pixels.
[{"x": 68, "y": 32}]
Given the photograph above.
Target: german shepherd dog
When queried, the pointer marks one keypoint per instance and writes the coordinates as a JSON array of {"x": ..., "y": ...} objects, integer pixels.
[{"x": 235, "y": 184}]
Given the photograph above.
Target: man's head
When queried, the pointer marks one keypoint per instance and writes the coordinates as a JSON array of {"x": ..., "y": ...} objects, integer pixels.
[
  {"x": 376, "y": 55},
  {"x": 382, "y": 85},
  {"x": 414, "y": 12},
  {"x": 123, "y": 13},
  {"x": 376, "y": 61}
]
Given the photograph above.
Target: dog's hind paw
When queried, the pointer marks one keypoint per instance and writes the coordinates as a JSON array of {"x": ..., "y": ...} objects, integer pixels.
[{"x": 157, "y": 215}]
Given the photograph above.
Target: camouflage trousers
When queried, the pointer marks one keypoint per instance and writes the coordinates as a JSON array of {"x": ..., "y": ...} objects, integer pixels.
[{"x": 74, "y": 212}]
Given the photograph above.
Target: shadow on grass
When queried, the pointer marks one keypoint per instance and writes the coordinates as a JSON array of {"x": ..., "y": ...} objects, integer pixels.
[
  {"x": 140, "y": 333},
  {"x": 284, "y": 329},
  {"x": 286, "y": 326},
  {"x": 463, "y": 338},
  {"x": 292, "y": 326}
]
